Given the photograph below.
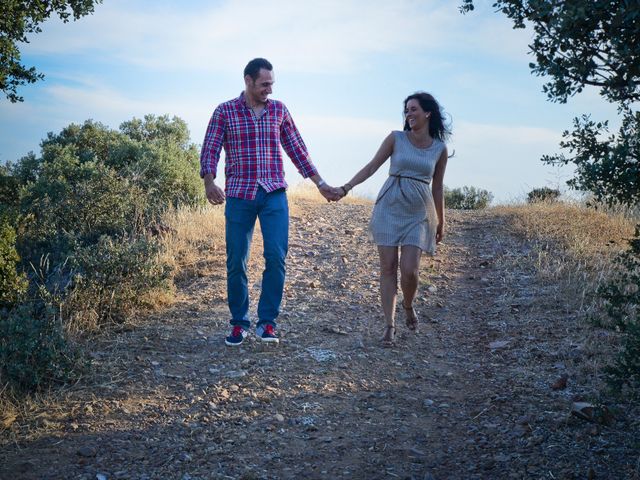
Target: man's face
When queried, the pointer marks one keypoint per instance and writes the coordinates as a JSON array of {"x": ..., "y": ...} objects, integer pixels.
[{"x": 259, "y": 89}]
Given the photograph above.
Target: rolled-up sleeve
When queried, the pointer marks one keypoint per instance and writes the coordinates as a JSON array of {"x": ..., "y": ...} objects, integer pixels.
[
  {"x": 293, "y": 144},
  {"x": 212, "y": 145}
]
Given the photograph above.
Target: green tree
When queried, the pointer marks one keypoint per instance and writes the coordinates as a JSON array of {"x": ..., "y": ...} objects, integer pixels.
[
  {"x": 20, "y": 18},
  {"x": 12, "y": 284},
  {"x": 75, "y": 202},
  {"x": 467, "y": 198},
  {"x": 578, "y": 44},
  {"x": 543, "y": 194}
]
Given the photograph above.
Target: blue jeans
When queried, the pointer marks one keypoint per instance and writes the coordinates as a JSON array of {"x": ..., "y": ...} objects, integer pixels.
[{"x": 272, "y": 209}]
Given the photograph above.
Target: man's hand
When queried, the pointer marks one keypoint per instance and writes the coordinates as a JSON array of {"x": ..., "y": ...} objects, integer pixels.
[
  {"x": 214, "y": 193},
  {"x": 330, "y": 193}
]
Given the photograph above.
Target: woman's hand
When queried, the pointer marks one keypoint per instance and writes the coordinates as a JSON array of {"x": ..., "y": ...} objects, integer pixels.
[{"x": 439, "y": 233}]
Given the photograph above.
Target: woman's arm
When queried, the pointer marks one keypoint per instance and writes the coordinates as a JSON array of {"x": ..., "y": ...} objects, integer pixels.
[
  {"x": 381, "y": 156},
  {"x": 437, "y": 189}
]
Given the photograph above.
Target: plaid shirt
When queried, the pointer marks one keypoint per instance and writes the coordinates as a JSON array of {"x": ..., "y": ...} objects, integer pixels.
[{"x": 252, "y": 147}]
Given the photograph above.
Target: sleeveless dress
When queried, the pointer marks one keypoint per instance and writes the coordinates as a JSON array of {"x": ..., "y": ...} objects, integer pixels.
[{"x": 404, "y": 213}]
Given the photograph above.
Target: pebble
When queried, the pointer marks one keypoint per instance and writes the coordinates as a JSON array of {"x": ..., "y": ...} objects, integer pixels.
[{"x": 87, "y": 451}]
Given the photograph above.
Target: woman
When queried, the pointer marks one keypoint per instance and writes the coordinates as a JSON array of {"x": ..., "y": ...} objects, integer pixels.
[{"x": 408, "y": 215}]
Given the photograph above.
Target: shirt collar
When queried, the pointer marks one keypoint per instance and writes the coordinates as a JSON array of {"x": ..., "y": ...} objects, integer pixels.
[{"x": 243, "y": 101}]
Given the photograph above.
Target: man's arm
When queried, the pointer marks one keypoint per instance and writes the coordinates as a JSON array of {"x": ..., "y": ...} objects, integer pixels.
[
  {"x": 212, "y": 144},
  {"x": 210, "y": 156}
]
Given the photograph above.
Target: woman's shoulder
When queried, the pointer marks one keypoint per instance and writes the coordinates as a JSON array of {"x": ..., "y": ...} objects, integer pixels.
[{"x": 439, "y": 144}]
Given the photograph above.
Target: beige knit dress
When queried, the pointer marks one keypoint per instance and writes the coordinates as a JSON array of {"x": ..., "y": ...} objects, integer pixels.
[{"x": 404, "y": 213}]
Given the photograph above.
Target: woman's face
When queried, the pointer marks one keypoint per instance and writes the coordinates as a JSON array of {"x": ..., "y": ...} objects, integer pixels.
[{"x": 415, "y": 116}]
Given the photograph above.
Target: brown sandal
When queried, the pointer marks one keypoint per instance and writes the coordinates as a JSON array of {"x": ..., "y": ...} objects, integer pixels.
[
  {"x": 412, "y": 318},
  {"x": 389, "y": 337}
]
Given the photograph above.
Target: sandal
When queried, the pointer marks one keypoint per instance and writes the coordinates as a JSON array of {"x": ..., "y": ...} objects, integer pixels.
[
  {"x": 389, "y": 337},
  {"x": 412, "y": 318}
]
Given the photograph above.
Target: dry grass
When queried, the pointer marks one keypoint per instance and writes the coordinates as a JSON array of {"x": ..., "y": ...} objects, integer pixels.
[
  {"x": 573, "y": 245},
  {"x": 195, "y": 236},
  {"x": 195, "y": 244}
]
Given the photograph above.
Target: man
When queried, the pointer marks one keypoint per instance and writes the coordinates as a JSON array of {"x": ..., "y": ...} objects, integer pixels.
[{"x": 251, "y": 129}]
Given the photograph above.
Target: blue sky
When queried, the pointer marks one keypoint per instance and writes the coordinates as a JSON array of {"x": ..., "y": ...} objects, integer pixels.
[{"x": 343, "y": 67}]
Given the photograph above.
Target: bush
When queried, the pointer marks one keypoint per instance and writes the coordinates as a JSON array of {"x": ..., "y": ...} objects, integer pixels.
[
  {"x": 33, "y": 348},
  {"x": 112, "y": 278},
  {"x": 467, "y": 198},
  {"x": 13, "y": 285},
  {"x": 544, "y": 194},
  {"x": 154, "y": 154},
  {"x": 622, "y": 297},
  {"x": 75, "y": 203}
]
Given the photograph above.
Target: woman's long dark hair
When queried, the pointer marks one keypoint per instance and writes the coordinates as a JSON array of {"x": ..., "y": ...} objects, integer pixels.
[{"x": 437, "y": 127}]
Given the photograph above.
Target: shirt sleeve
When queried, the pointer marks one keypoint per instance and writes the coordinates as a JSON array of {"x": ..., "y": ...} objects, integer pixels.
[
  {"x": 212, "y": 145},
  {"x": 294, "y": 146}
]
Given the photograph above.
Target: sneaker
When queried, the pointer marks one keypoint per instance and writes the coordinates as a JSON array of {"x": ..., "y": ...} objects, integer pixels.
[
  {"x": 267, "y": 333},
  {"x": 237, "y": 336}
]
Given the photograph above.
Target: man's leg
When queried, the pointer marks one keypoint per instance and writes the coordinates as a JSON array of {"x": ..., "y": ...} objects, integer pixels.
[
  {"x": 240, "y": 218},
  {"x": 274, "y": 223}
]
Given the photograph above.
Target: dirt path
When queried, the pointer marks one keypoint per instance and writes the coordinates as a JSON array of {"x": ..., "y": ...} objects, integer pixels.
[{"x": 469, "y": 397}]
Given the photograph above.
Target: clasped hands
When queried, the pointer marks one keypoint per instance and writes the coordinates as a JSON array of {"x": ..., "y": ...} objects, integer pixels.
[{"x": 333, "y": 194}]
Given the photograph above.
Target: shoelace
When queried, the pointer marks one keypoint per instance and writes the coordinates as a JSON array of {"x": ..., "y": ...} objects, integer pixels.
[
  {"x": 237, "y": 331},
  {"x": 269, "y": 330}
]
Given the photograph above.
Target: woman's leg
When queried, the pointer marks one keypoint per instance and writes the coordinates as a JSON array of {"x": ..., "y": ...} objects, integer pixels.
[
  {"x": 409, "y": 277},
  {"x": 388, "y": 282}
]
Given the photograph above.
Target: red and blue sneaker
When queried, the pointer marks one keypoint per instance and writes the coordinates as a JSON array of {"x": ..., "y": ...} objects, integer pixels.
[
  {"x": 267, "y": 333},
  {"x": 237, "y": 336}
]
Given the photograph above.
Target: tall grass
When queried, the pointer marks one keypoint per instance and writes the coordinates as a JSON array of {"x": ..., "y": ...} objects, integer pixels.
[{"x": 573, "y": 246}]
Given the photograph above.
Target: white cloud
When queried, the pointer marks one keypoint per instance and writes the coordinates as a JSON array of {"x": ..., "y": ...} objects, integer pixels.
[{"x": 307, "y": 37}]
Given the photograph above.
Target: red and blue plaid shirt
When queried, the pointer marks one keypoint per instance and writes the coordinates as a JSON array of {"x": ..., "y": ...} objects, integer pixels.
[{"x": 252, "y": 147}]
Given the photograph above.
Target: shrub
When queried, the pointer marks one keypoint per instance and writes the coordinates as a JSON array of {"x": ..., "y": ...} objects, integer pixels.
[
  {"x": 544, "y": 194},
  {"x": 13, "y": 285},
  {"x": 622, "y": 297},
  {"x": 467, "y": 198},
  {"x": 168, "y": 164},
  {"x": 112, "y": 278},
  {"x": 33, "y": 348},
  {"x": 75, "y": 203}
]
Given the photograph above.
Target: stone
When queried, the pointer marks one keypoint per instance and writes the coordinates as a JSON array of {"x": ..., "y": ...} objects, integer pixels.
[
  {"x": 498, "y": 344},
  {"x": 87, "y": 451},
  {"x": 582, "y": 410},
  {"x": 560, "y": 383}
]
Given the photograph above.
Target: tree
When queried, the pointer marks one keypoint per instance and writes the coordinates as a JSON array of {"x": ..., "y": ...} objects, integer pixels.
[
  {"x": 21, "y": 18},
  {"x": 467, "y": 198},
  {"x": 578, "y": 44}
]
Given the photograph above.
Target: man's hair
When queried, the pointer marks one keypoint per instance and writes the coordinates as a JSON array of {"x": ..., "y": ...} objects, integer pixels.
[{"x": 253, "y": 67}]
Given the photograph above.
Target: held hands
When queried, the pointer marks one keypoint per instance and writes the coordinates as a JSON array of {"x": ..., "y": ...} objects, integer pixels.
[
  {"x": 333, "y": 194},
  {"x": 330, "y": 193}
]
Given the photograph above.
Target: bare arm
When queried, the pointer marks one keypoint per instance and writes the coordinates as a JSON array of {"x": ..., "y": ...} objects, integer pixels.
[
  {"x": 381, "y": 156},
  {"x": 437, "y": 189}
]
